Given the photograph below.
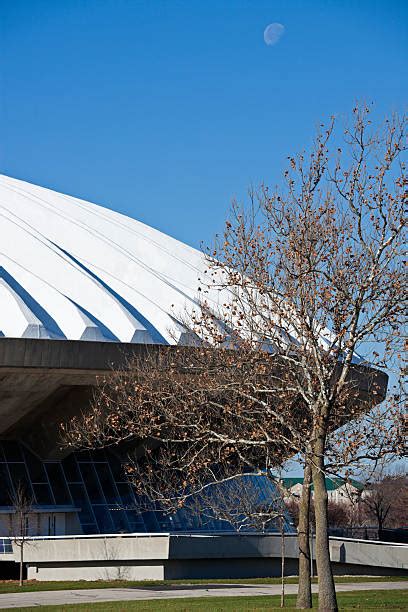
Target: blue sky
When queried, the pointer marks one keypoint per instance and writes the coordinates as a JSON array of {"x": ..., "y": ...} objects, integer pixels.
[{"x": 165, "y": 110}]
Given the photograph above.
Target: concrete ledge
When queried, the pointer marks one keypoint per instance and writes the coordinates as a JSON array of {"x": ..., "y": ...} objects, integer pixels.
[
  {"x": 158, "y": 556},
  {"x": 65, "y": 354},
  {"x": 97, "y": 549}
]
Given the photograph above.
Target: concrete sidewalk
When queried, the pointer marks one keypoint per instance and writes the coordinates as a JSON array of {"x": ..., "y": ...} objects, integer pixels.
[{"x": 59, "y": 598}]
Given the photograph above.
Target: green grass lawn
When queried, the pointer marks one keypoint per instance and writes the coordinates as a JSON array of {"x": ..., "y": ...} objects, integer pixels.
[
  {"x": 32, "y": 585},
  {"x": 368, "y": 600}
]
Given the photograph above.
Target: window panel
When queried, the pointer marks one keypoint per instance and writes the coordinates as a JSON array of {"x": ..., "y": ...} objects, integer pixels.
[
  {"x": 116, "y": 467},
  {"x": 103, "y": 519},
  {"x": 150, "y": 520},
  {"x": 119, "y": 520},
  {"x": 106, "y": 482},
  {"x": 90, "y": 528},
  {"x": 43, "y": 494},
  {"x": 71, "y": 469},
  {"x": 81, "y": 501},
  {"x": 135, "y": 519},
  {"x": 92, "y": 484},
  {"x": 58, "y": 485},
  {"x": 126, "y": 495},
  {"x": 83, "y": 456},
  {"x": 19, "y": 477},
  {"x": 98, "y": 455},
  {"x": 5, "y": 487},
  {"x": 35, "y": 467}
]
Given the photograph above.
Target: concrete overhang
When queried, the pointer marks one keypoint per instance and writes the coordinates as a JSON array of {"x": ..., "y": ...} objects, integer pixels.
[{"x": 43, "y": 382}]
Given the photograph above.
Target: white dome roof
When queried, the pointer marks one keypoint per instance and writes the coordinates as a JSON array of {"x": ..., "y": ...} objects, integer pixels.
[{"x": 73, "y": 270}]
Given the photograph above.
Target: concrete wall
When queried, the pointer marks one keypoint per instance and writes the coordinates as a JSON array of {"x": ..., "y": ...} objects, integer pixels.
[
  {"x": 228, "y": 568},
  {"x": 369, "y": 553},
  {"x": 109, "y": 570},
  {"x": 154, "y": 557},
  {"x": 100, "y": 548}
]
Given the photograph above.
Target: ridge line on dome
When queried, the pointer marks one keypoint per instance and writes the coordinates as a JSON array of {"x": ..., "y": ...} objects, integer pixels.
[
  {"x": 97, "y": 234},
  {"x": 132, "y": 310},
  {"x": 32, "y": 304},
  {"x": 49, "y": 245},
  {"x": 36, "y": 235},
  {"x": 88, "y": 206},
  {"x": 104, "y": 329}
]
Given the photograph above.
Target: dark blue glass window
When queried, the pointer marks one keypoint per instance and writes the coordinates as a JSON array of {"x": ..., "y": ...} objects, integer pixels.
[
  {"x": 43, "y": 495},
  {"x": 90, "y": 528},
  {"x": 150, "y": 520},
  {"x": 57, "y": 482},
  {"x": 98, "y": 487},
  {"x": 35, "y": 467},
  {"x": 92, "y": 484},
  {"x": 71, "y": 469},
  {"x": 126, "y": 495},
  {"x": 83, "y": 456},
  {"x": 81, "y": 501},
  {"x": 103, "y": 519},
  {"x": 19, "y": 477},
  {"x": 119, "y": 520},
  {"x": 98, "y": 455},
  {"x": 5, "y": 486},
  {"x": 106, "y": 481},
  {"x": 116, "y": 467}
]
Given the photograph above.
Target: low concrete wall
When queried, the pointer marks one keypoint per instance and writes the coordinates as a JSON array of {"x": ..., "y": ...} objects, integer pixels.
[
  {"x": 104, "y": 549},
  {"x": 108, "y": 570},
  {"x": 230, "y": 546},
  {"x": 369, "y": 553},
  {"x": 158, "y": 556}
]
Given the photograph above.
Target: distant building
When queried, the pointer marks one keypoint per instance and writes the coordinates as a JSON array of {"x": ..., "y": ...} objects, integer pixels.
[{"x": 338, "y": 490}]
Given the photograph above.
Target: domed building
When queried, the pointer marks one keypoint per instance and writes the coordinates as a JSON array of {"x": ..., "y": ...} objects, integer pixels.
[
  {"x": 81, "y": 289},
  {"x": 72, "y": 270}
]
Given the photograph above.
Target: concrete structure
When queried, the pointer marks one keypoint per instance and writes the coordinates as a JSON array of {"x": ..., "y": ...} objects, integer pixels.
[
  {"x": 162, "y": 556},
  {"x": 72, "y": 270},
  {"x": 82, "y": 290}
]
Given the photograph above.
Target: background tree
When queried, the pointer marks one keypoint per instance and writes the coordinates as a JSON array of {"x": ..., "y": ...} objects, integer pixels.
[
  {"x": 22, "y": 505},
  {"x": 385, "y": 501},
  {"x": 306, "y": 276}
]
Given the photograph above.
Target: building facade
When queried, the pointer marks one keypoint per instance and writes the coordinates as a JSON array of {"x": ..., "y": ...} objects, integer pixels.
[{"x": 82, "y": 288}]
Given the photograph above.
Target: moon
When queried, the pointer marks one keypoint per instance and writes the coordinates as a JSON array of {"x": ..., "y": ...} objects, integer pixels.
[{"x": 273, "y": 33}]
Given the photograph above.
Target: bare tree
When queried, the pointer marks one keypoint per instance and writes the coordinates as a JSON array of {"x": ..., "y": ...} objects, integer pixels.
[
  {"x": 307, "y": 277},
  {"x": 304, "y": 598},
  {"x": 22, "y": 504},
  {"x": 248, "y": 502},
  {"x": 385, "y": 501},
  {"x": 321, "y": 263}
]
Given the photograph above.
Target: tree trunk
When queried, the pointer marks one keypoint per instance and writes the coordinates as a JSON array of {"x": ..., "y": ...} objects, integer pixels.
[
  {"x": 21, "y": 562},
  {"x": 327, "y": 591},
  {"x": 282, "y": 530},
  {"x": 304, "y": 597}
]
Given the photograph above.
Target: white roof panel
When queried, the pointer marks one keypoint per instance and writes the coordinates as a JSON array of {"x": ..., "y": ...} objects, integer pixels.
[{"x": 80, "y": 271}]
